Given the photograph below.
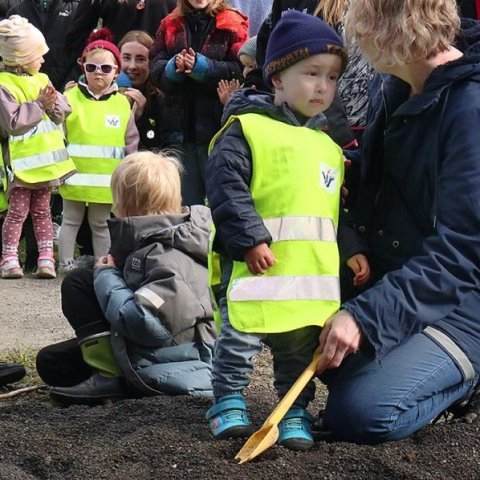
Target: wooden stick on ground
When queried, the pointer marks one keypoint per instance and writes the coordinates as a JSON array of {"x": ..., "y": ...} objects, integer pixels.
[{"x": 20, "y": 391}]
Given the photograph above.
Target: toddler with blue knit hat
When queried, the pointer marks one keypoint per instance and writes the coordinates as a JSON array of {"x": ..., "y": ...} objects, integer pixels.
[{"x": 273, "y": 184}]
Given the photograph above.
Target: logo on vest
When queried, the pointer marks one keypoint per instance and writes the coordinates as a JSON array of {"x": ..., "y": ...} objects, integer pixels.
[
  {"x": 136, "y": 264},
  {"x": 328, "y": 178},
  {"x": 112, "y": 121}
]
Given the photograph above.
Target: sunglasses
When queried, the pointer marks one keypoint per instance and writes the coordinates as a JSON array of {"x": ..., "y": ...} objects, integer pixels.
[{"x": 104, "y": 67}]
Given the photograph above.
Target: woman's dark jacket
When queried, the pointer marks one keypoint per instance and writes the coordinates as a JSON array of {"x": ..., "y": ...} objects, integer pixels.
[
  {"x": 419, "y": 208},
  {"x": 54, "y": 24}
]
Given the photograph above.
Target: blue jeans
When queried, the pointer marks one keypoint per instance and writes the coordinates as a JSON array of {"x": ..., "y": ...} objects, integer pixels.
[
  {"x": 232, "y": 363},
  {"x": 372, "y": 402}
]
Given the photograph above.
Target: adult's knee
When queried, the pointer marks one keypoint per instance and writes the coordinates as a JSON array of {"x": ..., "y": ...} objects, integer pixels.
[{"x": 360, "y": 417}]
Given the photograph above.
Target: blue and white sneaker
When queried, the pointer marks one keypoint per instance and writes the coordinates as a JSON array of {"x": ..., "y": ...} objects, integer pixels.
[
  {"x": 295, "y": 429},
  {"x": 228, "y": 418}
]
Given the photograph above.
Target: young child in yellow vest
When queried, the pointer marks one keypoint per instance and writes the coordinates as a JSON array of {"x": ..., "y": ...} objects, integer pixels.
[
  {"x": 34, "y": 157},
  {"x": 100, "y": 132},
  {"x": 273, "y": 184}
]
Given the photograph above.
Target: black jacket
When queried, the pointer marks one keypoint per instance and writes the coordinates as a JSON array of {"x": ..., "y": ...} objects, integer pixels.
[
  {"x": 119, "y": 17},
  {"x": 54, "y": 24}
]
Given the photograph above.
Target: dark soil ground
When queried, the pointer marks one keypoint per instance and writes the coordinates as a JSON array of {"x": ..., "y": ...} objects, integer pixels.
[{"x": 168, "y": 438}]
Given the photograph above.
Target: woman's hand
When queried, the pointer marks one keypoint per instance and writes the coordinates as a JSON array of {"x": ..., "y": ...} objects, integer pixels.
[
  {"x": 138, "y": 99},
  {"x": 340, "y": 337},
  {"x": 106, "y": 261},
  {"x": 180, "y": 61}
]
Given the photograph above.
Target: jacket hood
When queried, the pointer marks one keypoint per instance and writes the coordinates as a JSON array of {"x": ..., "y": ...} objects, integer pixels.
[
  {"x": 188, "y": 232},
  {"x": 467, "y": 66},
  {"x": 249, "y": 100}
]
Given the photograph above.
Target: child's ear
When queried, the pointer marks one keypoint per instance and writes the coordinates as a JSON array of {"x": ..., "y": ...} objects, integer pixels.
[{"x": 277, "y": 81}]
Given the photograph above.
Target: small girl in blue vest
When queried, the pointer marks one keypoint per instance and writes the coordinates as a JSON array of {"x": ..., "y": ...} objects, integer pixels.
[
  {"x": 100, "y": 132},
  {"x": 273, "y": 184},
  {"x": 34, "y": 155}
]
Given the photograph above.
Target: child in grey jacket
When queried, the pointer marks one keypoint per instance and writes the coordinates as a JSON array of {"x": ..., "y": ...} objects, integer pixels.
[{"x": 143, "y": 317}]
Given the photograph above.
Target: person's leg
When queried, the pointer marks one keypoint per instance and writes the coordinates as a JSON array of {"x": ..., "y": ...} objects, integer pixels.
[
  {"x": 43, "y": 229},
  {"x": 98, "y": 214},
  {"x": 193, "y": 158},
  {"x": 83, "y": 312},
  {"x": 62, "y": 364},
  {"x": 86, "y": 258},
  {"x": 232, "y": 364},
  {"x": 73, "y": 213},
  {"x": 372, "y": 402},
  {"x": 18, "y": 208},
  {"x": 292, "y": 353}
]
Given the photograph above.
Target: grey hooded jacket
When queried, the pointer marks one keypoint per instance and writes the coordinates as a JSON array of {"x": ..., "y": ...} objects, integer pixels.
[{"x": 157, "y": 301}]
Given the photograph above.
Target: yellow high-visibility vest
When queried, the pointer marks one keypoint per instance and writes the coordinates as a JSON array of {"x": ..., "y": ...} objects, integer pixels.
[
  {"x": 96, "y": 142},
  {"x": 297, "y": 174},
  {"x": 38, "y": 155}
]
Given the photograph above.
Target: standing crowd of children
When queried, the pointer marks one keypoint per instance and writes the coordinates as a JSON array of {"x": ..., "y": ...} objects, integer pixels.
[{"x": 262, "y": 261}]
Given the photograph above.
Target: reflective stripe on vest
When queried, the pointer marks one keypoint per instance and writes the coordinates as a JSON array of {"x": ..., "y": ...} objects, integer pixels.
[
  {"x": 89, "y": 180},
  {"x": 45, "y": 126},
  {"x": 39, "y": 160},
  {"x": 96, "y": 141},
  {"x": 95, "y": 151},
  {"x": 285, "y": 288},
  {"x": 295, "y": 188},
  {"x": 38, "y": 155},
  {"x": 301, "y": 228}
]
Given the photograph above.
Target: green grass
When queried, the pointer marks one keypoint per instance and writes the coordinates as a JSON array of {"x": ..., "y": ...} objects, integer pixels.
[{"x": 25, "y": 356}]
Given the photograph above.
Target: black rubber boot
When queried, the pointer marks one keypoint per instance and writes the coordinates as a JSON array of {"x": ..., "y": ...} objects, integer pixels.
[
  {"x": 94, "y": 391},
  {"x": 10, "y": 373}
]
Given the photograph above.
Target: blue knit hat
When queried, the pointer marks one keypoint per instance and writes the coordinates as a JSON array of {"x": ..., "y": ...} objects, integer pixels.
[{"x": 297, "y": 36}]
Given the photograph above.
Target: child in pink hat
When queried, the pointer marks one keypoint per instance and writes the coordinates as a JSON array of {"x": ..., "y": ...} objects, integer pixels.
[{"x": 35, "y": 160}]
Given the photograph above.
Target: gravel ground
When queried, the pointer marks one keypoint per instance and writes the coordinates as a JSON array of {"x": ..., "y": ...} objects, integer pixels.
[{"x": 167, "y": 437}]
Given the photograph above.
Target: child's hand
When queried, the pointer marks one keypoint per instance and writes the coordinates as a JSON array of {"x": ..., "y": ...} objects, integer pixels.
[
  {"x": 189, "y": 59},
  {"x": 226, "y": 88},
  {"x": 106, "y": 261},
  {"x": 259, "y": 258},
  {"x": 138, "y": 99},
  {"x": 360, "y": 267},
  {"x": 180, "y": 61},
  {"x": 47, "y": 97}
]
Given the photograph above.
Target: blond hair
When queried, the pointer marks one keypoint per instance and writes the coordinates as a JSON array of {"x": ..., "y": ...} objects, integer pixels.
[
  {"x": 147, "y": 183},
  {"x": 403, "y": 31},
  {"x": 331, "y": 11},
  {"x": 213, "y": 8}
]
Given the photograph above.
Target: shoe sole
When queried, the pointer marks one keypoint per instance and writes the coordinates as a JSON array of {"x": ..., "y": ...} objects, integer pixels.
[
  {"x": 240, "y": 431},
  {"x": 46, "y": 275},
  {"x": 84, "y": 400}
]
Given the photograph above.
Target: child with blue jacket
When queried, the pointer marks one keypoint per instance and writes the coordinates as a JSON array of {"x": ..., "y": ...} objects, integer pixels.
[
  {"x": 273, "y": 183},
  {"x": 143, "y": 317}
]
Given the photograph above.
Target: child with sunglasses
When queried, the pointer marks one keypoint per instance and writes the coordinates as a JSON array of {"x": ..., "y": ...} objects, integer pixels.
[
  {"x": 100, "y": 132},
  {"x": 34, "y": 157}
]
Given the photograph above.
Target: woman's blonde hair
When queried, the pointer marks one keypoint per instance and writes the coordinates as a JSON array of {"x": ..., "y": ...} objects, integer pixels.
[
  {"x": 213, "y": 8},
  {"x": 331, "y": 11},
  {"x": 147, "y": 183},
  {"x": 403, "y": 31}
]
